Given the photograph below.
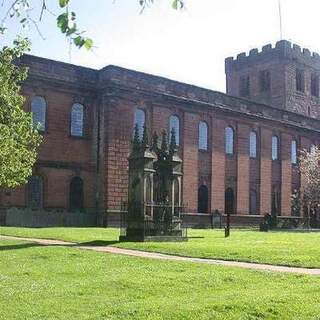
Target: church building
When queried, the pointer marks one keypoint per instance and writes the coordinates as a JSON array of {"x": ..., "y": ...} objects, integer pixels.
[{"x": 239, "y": 149}]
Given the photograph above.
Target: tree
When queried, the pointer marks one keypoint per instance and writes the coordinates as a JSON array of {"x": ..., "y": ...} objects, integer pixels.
[
  {"x": 309, "y": 166},
  {"x": 19, "y": 139},
  {"x": 66, "y": 18}
]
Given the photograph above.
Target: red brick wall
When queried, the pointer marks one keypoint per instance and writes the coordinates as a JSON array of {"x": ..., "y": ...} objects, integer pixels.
[
  {"x": 190, "y": 161},
  {"x": 243, "y": 169},
  {"x": 265, "y": 171},
  {"x": 286, "y": 171},
  {"x": 218, "y": 165}
]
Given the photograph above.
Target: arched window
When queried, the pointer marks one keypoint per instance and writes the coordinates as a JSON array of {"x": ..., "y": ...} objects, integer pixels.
[
  {"x": 139, "y": 120},
  {"x": 229, "y": 201},
  {"x": 294, "y": 152},
  {"x": 38, "y": 109},
  {"x": 35, "y": 192},
  {"x": 253, "y": 202},
  {"x": 229, "y": 140},
  {"x": 203, "y": 197},
  {"x": 77, "y": 118},
  {"x": 76, "y": 194},
  {"x": 203, "y": 136},
  {"x": 174, "y": 123},
  {"x": 275, "y": 148},
  {"x": 253, "y": 144}
]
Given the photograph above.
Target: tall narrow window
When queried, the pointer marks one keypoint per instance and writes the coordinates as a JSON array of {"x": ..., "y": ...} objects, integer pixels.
[
  {"x": 174, "y": 123},
  {"x": 244, "y": 86},
  {"x": 253, "y": 144},
  {"x": 203, "y": 199},
  {"x": 294, "y": 152},
  {"x": 275, "y": 148},
  {"x": 229, "y": 140},
  {"x": 229, "y": 201},
  {"x": 253, "y": 202},
  {"x": 35, "y": 192},
  {"x": 203, "y": 136},
  {"x": 77, "y": 118},
  {"x": 76, "y": 194},
  {"x": 39, "y": 109},
  {"x": 139, "y": 120},
  {"x": 315, "y": 85},
  {"x": 299, "y": 80},
  {"x": 264, "y": 79}
]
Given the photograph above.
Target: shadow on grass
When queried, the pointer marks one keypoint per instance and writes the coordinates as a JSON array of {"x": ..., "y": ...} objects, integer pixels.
[
  {"x": 98, "y": 243},
  {"x": 20, "y": 246}
]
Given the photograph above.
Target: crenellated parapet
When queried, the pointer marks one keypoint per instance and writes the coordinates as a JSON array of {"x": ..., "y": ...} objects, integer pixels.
[{"x": 282, "y": 50}]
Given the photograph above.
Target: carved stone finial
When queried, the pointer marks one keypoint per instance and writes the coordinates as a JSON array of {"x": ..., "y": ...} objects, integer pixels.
[
  {"x": 136, "y": 140},
  {"x": 164, "y": 145},
  {"x": 173, "y": 143},
  {"x": 155, "y": 139},
  {"x": 145, "y": 143}
]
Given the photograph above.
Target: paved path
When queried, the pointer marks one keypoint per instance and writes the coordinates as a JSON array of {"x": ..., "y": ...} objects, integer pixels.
[{"x": 160, "y": 256}]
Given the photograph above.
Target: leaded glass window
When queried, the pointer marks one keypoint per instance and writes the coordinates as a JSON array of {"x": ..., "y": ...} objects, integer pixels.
[
  {"x": 39, "y": 109},
  {"x": 275, "y": 148},
  {"x": 77, "y": 120},
  {"x": 253, "y": 144},
  {"x": 174, "y": 123},
  {"x": 139, "y": 120},
  {"x": 229, "y": 140},
  {"x": 203, "y": 136}
]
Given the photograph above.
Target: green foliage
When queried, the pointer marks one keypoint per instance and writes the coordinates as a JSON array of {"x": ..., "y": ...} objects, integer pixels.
[{"x": 18, "y": 138}]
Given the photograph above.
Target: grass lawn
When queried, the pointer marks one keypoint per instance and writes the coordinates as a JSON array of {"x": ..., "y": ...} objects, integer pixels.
[
  {"x": 39, "y": 283},
  {"x": 283, "y": 248}
]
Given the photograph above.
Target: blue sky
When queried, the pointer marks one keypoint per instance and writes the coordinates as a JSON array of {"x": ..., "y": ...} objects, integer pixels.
[{"x": 188, "y": 46}]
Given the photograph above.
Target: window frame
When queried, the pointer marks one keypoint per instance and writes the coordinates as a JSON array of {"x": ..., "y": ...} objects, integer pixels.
[
  {"x": 40, "y": 179},
  {"x": 256, "y": 144},
  {"x": 232, "y": 146},
  {"x": 300, "y": 80},
  {"x": 275, "y": 138},
  {"x": 43, "y": 128},
  {"x": 294, "y": 161},
  {"x": 140, "y": 129},
  {"x": 83, "y": 121},
  {"x": 206, "y": 127},
  {"x": 174, "y": 116}
]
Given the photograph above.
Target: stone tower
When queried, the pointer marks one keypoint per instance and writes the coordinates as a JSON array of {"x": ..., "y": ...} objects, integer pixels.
[{"x": 284, "y": 76}]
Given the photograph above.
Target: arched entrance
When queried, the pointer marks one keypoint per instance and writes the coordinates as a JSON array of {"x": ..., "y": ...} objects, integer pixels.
[
  {"x": 76, "y": 194},
  {"x": 203, "y": 197},
  {"x": 229, "y": 201}
]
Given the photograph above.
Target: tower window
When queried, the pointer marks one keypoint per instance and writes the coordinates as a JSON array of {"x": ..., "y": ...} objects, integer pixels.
[
  {"x": 265, "y": 83},
  {"x": 244, "y": 86},
  {"x": 315, "y": 85},
  {"x": 299, "y": 80}
]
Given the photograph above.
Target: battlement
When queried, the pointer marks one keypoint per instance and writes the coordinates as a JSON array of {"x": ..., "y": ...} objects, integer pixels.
[{"x": 282, "y": 50}]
